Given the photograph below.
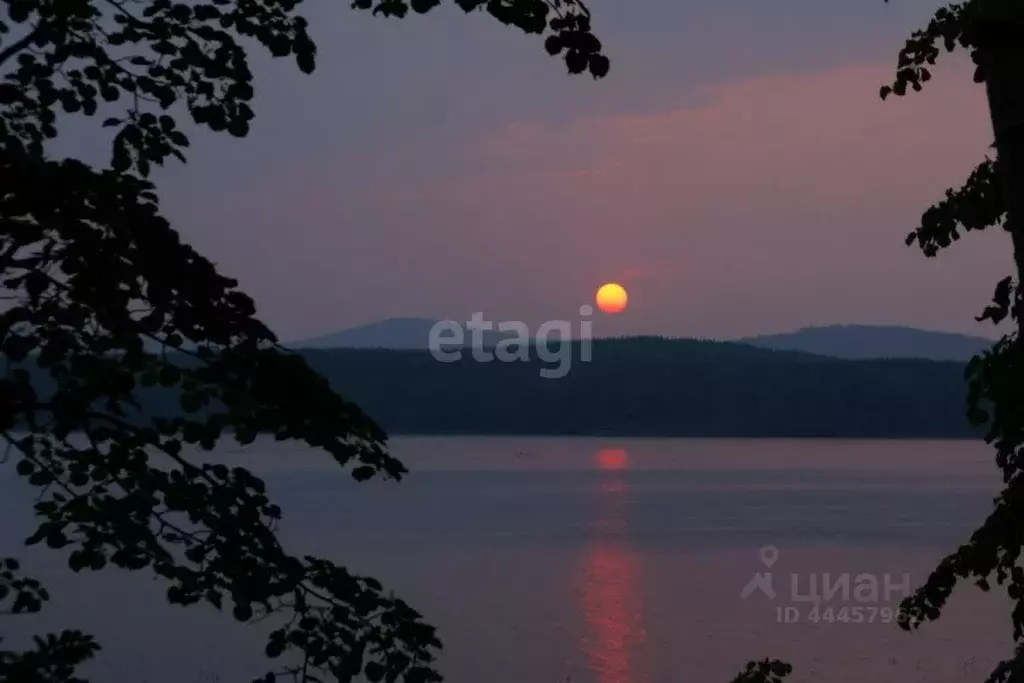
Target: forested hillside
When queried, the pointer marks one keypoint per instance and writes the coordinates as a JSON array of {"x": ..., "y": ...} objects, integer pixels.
[
  {"x": 655, "y": 387},
  {"x": 644, "y": 386}
]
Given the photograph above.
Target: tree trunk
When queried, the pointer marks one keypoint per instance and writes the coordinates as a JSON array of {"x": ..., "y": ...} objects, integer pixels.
[{"x": 1001, "y": 52}]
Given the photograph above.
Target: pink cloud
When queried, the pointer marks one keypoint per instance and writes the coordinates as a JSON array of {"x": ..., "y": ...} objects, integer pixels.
[
  {"x": 766, "y": 204},
  {"x": 782, "y": 198}
]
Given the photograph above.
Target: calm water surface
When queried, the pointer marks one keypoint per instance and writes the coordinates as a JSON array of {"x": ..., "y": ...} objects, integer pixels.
[{"x": 599, "y": 561}]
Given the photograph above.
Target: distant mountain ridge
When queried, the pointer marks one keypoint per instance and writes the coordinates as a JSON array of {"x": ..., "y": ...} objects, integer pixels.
[
  {"x": 393, "y": 333},
  {"x": 854, "y": 342},
  {"x": 864, "y": 342},
  {"x": 396, "y": 334}
]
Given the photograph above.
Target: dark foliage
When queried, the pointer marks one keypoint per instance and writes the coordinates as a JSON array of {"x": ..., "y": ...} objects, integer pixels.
[
  {"x": 990, "y": 30},
  {"x": 764, "y": 671},
  {"x": 53, "y": 657},
  {"x": 91, "y": 271},
  {"x": 76, "y": 55}
]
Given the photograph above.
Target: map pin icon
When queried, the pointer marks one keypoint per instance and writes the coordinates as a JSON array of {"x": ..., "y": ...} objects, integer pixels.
[{"x": 769, "y": 555}]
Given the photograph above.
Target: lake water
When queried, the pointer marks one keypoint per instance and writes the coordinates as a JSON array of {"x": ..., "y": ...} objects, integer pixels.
[{"x": 597, "y": 560}]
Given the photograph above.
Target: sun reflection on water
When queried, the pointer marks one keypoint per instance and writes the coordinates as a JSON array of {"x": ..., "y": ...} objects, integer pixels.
[{"x": 609, "y": 584}]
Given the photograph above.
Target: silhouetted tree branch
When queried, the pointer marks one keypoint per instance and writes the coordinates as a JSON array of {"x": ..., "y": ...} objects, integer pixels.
[
  {"x": 92, "y": 271},
  {"x": 991, "y": 31}
]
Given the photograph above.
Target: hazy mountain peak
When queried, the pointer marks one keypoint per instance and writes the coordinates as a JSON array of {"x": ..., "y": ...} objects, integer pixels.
[
  {"x": 390, "y": 333},
  {"x": 874, "y": 341}
]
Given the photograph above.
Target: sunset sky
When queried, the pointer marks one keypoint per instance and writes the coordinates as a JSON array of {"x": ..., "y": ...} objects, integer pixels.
[{"x": 736, "y": 171}]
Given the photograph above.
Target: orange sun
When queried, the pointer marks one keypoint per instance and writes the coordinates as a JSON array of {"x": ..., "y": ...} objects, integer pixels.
[{"x": 611, "y": 298}]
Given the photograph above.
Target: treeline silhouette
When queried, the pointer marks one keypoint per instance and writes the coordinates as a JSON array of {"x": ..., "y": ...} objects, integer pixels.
[
  {"x": 642, "y": 387},
  {"x": 655, "y": 387}
]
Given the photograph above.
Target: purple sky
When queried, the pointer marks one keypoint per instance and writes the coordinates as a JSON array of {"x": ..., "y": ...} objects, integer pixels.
[{"x": 736, "y": 171}]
